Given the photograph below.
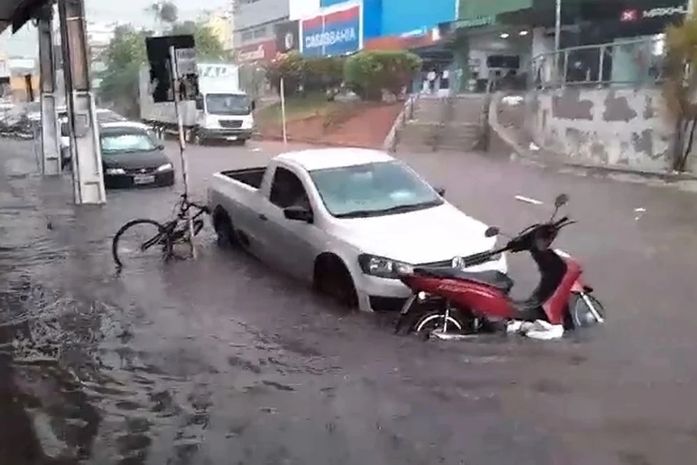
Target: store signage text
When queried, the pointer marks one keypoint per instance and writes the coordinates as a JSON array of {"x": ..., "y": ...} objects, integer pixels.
[
  {"x": 215, "y": 70},
  {"x": 475, "y": 22},
  {"x": 329, "y": 38},
  {"x": 633, "y": 15}
]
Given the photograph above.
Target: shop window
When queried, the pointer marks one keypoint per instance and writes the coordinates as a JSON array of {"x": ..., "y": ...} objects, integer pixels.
[{"x": 259, "y": 33}]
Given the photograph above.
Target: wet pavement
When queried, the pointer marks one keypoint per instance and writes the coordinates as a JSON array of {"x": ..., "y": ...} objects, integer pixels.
[{"x": 223, "y": 361}]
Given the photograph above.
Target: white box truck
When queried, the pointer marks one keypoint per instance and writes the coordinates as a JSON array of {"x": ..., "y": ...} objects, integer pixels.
[{"x": 221, "y": 112}]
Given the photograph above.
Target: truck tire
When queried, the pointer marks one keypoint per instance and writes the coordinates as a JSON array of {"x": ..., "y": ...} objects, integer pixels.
[
  {"x": 332, "y": 278},
  {"x": 223, "y": 228}
]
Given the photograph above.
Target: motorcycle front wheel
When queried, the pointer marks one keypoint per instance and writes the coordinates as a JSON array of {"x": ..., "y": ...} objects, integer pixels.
[{"x": 585, "y": 310}]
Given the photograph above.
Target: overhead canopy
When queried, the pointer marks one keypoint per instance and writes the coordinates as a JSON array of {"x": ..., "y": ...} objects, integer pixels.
[{"x": 17, "y": 12}]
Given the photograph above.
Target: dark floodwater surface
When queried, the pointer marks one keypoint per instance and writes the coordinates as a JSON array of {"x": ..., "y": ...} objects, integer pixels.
[{"x": 222, "y": 361}]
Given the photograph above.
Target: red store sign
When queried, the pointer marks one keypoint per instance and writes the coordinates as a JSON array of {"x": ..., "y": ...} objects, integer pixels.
[{"x": 260, "y": 51}]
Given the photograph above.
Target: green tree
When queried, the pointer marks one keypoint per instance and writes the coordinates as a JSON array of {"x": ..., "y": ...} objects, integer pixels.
[
  {"x": 123, "y": 59},
  {"x": 165, "y": 13},
  {"x": 369, "y": 73},
  {"x": 208, "y": 45},
  {"x": 126, "y": 54}
]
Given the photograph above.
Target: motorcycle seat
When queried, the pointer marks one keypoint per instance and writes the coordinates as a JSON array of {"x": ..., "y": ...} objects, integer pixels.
[{"x": 493, "y": 278}]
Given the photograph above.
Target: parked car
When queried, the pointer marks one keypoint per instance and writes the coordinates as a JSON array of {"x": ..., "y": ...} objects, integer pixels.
[
  {"x": 131, "y": 157},
  {"x": 103, "y": 116},
  {"x": 344, "y": 220}
]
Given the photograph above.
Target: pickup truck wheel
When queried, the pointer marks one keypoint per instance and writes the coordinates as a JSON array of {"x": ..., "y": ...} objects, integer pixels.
[
  {"x": 334, "y": 280},
  {"x": 223, "y": 229}
]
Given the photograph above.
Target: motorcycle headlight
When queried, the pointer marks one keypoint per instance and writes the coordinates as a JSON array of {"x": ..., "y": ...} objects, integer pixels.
[
  {"x": 165, "y": 167},
  {"x": 383, "y": 267},
  {"x": 113, "y": 171}
]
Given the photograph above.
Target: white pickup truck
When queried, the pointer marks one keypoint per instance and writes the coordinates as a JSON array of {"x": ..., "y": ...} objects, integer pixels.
[{"x": 344, "y": 220}]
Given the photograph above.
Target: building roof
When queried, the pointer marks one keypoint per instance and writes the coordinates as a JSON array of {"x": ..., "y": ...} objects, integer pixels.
[
  {"x": 318, "y": 159},
  {"x": 18, "y": 12}
]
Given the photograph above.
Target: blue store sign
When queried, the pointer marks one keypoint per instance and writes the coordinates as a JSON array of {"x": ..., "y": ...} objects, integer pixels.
[{"x": 335, "y": 33}]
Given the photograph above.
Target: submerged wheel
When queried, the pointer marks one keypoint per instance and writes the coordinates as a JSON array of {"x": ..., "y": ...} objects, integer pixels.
[
  {"x": 581, "y": 315},
  {"x": 334, "y": 280},
  {"x": 224, "y": 229},
  {"x": 434, "y": 320},
  {"x": 139, "y": 239}
]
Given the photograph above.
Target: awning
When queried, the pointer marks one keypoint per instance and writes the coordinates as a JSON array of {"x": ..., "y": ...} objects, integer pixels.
[{"x": 16, "y": 13}]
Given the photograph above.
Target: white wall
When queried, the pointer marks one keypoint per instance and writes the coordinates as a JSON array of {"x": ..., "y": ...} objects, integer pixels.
[
  {"x": 299, "y": 9},
  {"x": 617, "y": 127}
]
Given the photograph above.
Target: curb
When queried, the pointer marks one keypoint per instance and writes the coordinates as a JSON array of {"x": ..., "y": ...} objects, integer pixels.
[
  {"x": 563, "y": 161},
  {"x": 299, "y": 140}
]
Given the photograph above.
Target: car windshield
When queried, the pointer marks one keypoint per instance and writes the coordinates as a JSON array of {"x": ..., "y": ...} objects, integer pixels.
[
  {"x": 228, "y": 104},
  {"x": 108, "y": 116},
  {"x": 374, "y": 189},
  {"x": 126, "y": 142}
]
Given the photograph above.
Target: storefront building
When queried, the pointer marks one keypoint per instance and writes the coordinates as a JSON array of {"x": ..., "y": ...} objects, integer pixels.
[
  {"x": 632, "y": 28},
  {"x": 254, "y": 22}
]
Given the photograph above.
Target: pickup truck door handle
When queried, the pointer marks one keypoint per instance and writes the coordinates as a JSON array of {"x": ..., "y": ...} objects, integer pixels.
[{"x": 262, "y": 217}]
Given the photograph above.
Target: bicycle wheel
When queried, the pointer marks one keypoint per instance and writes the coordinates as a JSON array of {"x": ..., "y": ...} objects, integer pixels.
[{"x": 140, "y": 239}]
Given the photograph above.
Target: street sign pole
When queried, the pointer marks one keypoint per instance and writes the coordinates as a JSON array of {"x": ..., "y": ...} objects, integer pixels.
[
  {"x": 175, "y": 86},
  {"x": 283, "y": 110},
  {"x": 557, "y": 37}
]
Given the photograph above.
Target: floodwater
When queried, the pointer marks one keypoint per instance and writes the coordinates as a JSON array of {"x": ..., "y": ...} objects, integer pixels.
[{"x": 222, "y": 361}]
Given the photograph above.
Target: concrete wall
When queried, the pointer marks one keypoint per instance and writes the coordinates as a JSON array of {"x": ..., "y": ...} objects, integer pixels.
[
  {"x": 621, "y": 127},
  {"x": 253, "y": 21}
]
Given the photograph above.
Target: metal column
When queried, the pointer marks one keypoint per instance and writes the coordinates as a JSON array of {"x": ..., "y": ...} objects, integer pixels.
[
  {"x": 50, "y": 149},
  {"x": 85, "y": 150}
]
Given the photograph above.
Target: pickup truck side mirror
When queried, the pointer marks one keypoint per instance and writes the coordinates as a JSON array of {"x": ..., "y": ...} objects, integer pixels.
[
  {"x": 253, "y": 105},
  {"x": 65, "y": 130},
  {"x": 296, "y": 213},
  {"x": 199, "y": 102},
  {"x": 161, "y": 147},
  {"x": 440, "y": 191}
]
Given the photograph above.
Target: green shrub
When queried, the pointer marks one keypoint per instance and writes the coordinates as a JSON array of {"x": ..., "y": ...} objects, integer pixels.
[
  {"x": 289, "y": 66},
  {"x": 368, "y": 73},
  {"x": 313, "y": 74},
  {"x": 322, "y": 74}
]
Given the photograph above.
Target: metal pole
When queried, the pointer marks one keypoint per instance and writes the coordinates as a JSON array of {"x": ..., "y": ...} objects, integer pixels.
[
  {"x": 182, "y": 143},
  {"x": 50, "y": 160},
  {"x": 88, "y": 179},
  {"x": 557, "y": 37},
  {"x": 283, "y": 111}
]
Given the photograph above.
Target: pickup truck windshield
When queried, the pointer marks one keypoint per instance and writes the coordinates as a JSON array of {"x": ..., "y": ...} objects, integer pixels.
[
  {"x": 227, "y": 104},
  {"x": 126, "y": 143},
  {"x": 375, "y": 189}
]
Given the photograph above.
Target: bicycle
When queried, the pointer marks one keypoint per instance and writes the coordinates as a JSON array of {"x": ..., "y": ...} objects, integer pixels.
[{"x": 155, "y": 237}]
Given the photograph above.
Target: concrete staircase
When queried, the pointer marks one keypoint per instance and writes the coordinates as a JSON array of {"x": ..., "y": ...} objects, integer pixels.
[{"x": 452, "y": 123}]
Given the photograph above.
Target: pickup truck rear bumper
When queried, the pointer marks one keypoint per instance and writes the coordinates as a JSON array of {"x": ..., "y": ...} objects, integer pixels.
[{"x": 225, "y": 134}]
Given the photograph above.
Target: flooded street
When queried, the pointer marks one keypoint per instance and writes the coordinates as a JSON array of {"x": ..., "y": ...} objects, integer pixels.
[{"x": 223, "y": 361}]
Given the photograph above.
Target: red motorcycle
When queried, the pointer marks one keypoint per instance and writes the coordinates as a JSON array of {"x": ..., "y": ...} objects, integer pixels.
[{"x": 452, "y": 301}]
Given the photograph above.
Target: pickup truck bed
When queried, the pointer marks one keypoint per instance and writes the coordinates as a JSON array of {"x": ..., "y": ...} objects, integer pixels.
[{"x": 249, "y": 176}]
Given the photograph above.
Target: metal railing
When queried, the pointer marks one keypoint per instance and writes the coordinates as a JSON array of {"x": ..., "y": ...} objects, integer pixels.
[{"x": 621, "y": 63}]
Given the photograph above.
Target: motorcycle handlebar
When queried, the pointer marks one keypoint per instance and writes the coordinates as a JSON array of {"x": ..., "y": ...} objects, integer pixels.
[{"x": 483, "y": 257}]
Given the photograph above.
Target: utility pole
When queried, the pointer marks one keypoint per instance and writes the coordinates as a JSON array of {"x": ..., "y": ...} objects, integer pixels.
[
  {"x": 88, "y": 181},
  {"x": 557, "y": 38},
  {"x": 50, "y": 150}
]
